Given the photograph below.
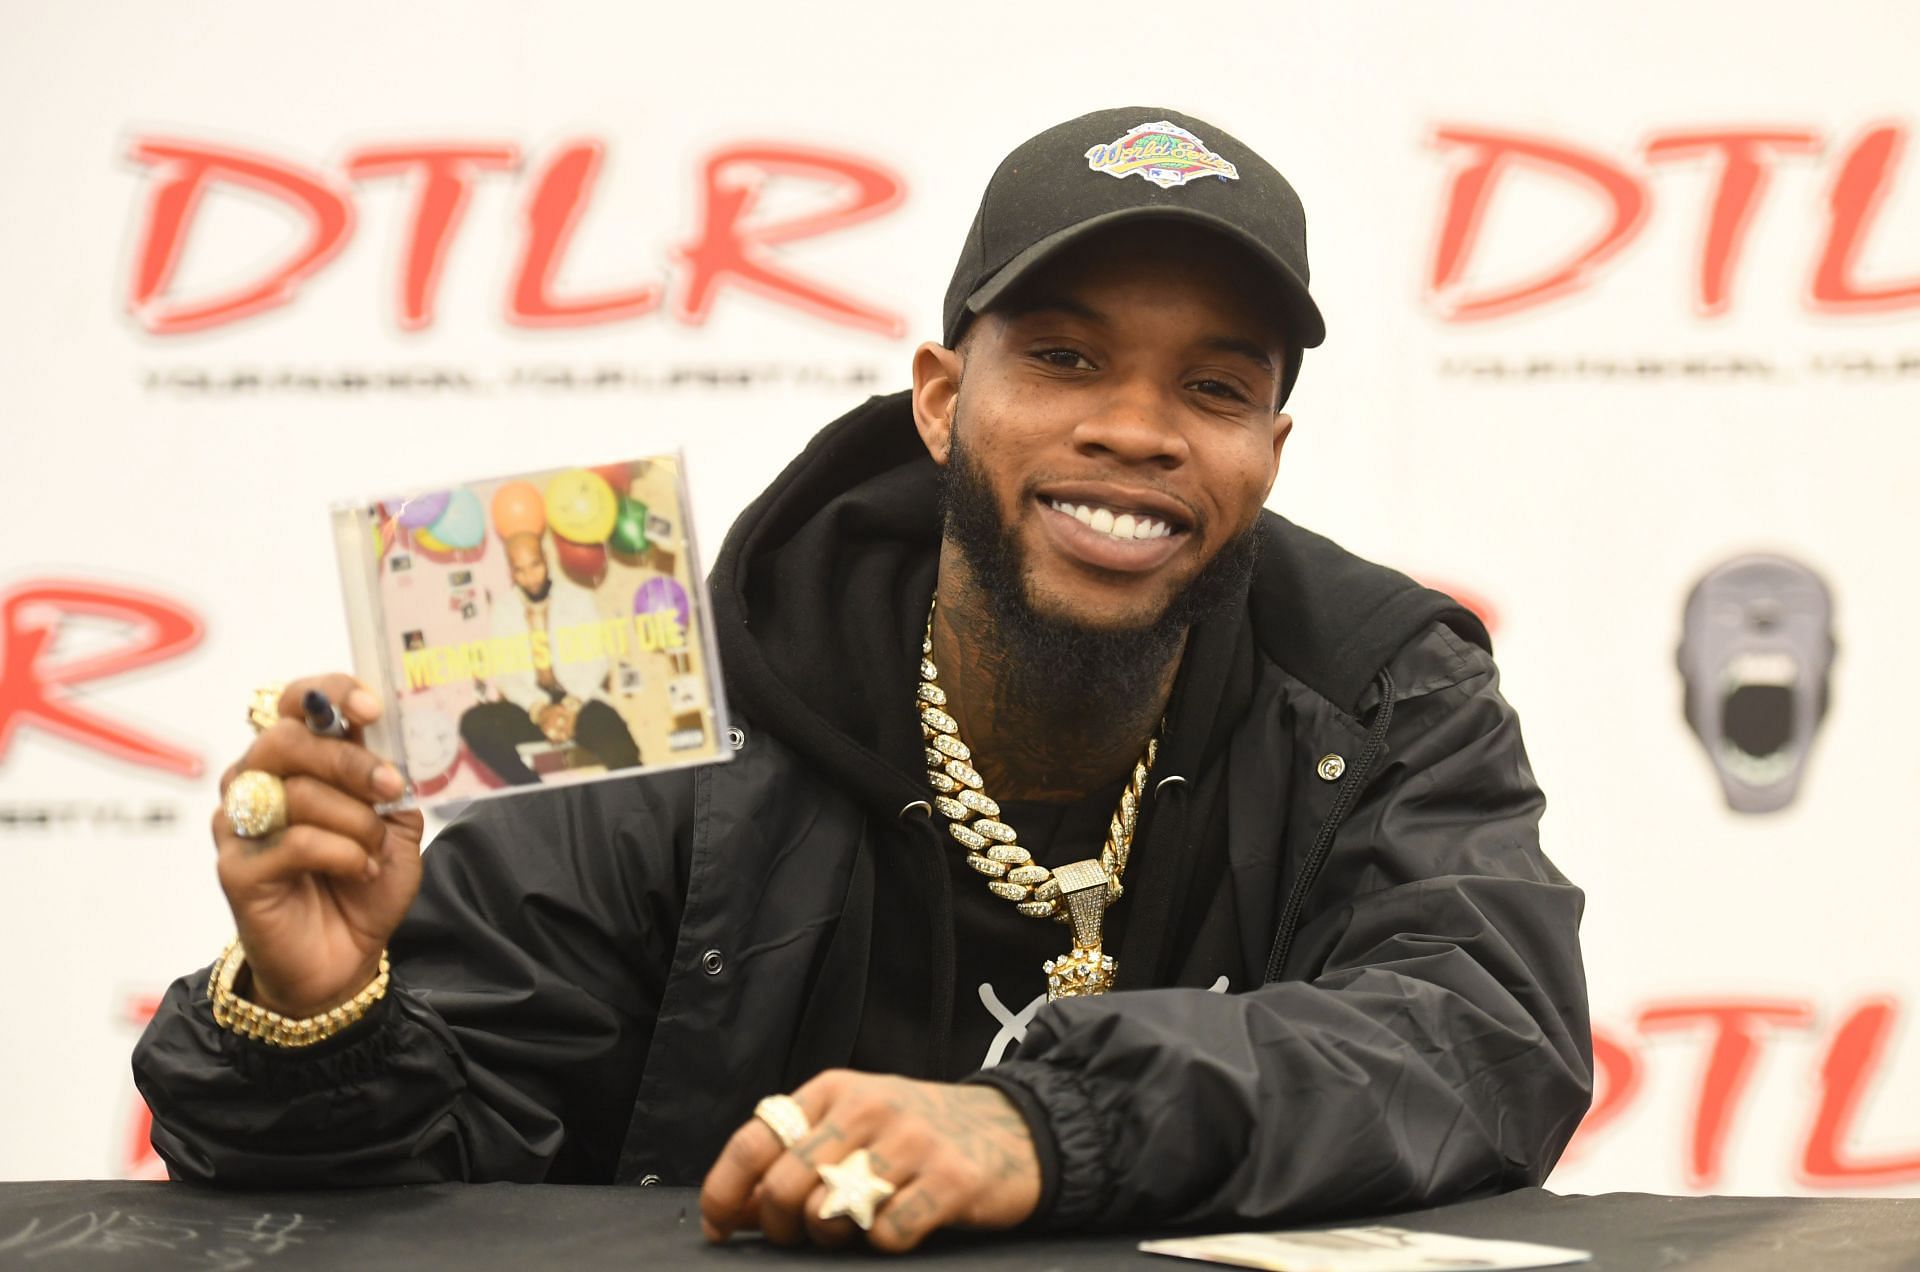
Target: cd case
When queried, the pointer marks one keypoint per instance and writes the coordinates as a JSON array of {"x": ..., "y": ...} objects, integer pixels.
[{"x": 531, "y": 630}]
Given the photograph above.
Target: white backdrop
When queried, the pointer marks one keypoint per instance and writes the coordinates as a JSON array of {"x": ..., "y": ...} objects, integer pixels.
[{"x": 1702, "y": 387}]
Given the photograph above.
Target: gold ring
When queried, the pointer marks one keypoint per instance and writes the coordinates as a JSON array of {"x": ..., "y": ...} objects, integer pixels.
[
  {"x": 853, "y": 1189},
  {"x": 263, "y": 707},
  {"x": 784, "y": 1116},
  {"x": 256, "y": 804}
]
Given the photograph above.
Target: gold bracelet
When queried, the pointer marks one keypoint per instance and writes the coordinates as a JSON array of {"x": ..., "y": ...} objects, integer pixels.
[{"x": 250, "y": 1020}]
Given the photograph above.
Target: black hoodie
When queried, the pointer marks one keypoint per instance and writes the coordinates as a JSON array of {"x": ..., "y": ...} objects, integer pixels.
[
  {"x": 599, "y": 982},
  {"x": 821, "y": 598}
]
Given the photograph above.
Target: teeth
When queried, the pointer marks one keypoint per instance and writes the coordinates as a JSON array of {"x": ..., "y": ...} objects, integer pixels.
[
  {"x": 1757, "y": 770},
  {"x": 1125, "y": 525},
  {"x": 1757, "y": 667}
]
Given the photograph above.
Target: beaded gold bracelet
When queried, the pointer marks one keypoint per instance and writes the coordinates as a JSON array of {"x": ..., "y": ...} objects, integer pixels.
[{"x": 250, "y": 1020}]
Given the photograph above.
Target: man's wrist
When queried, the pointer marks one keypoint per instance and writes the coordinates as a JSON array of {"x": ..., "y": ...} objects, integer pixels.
[
  {"x": 1046, "y": 1149},
  {"x": 251, "y": 1019},
  {"x": 248, "y": 985}
]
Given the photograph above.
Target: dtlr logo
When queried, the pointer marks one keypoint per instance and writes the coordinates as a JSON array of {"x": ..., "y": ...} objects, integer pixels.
[
  {"x": 736, "y": 245},
  {"x": 38, "y": 683},
  {"x": 1745, "y": 160}
]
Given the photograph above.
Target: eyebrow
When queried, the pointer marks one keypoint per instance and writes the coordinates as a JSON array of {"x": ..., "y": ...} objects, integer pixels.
[
  {"x": 1245, "y": 348},
  {"x": 1025, "y": 308}
]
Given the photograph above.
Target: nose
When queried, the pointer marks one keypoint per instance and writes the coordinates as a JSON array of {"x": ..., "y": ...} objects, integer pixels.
[{"x": 1136, "y": 424}]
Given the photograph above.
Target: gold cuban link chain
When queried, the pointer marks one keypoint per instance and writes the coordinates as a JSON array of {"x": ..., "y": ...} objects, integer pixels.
[{"x": 1078, "y": 893}]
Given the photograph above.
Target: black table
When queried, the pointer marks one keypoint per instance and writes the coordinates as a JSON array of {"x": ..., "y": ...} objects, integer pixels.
[{"x": 114, "y": 1224}]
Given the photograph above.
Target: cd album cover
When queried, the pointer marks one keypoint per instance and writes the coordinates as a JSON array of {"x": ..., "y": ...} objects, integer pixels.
[{"x": 534, "y": 629}]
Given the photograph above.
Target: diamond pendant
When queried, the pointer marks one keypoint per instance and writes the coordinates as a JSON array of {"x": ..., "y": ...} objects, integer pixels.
[
  {"x": 1079, "y": 973},
  {"x": 1083, "y": 970}
]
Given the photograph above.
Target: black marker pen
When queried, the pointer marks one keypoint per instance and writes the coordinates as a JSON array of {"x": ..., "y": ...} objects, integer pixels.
[{"x": 322, "y": 716}]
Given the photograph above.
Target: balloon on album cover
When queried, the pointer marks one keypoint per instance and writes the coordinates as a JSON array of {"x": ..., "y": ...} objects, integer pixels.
[
  {"x": 518, "y": 509},
  {"x": 464, "y": 524},
  {"x": 425, "y": 542},
  {"x": 619, "y": 477},
  {"x": 584, "y": 563},
  {"x": 663, "y": 593},
  {"x": 421, "y": 511},
  {"x": 443, "y": 553},
  {"x": 629, "y": 535},
  {"x": 581, "y": 506},
  {"x": 383, "y": 534}
]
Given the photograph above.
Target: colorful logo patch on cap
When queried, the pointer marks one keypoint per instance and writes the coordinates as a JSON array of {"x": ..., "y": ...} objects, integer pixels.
[{"x": 1163, "y": 153}]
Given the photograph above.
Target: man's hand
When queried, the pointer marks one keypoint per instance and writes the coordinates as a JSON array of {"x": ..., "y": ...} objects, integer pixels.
[
  {"x": 557, "y": 722},
  {"x": 316, "y": 902},
  {"x": 958, "y": 1156}
]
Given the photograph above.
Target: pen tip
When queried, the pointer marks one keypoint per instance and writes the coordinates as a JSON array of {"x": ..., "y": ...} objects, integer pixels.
[{"x": 315, "y": 702}]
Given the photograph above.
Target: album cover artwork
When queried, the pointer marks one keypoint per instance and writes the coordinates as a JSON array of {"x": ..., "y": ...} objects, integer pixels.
[{"x": 534, "y": 629}]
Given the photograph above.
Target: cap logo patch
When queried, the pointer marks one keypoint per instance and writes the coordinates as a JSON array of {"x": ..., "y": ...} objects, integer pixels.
[{"x": 1163, "y": 153}]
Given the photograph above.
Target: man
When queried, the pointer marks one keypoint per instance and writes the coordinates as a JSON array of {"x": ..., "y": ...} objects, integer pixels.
[
  {"x": 558, "y": 703},
  {"x": 1273, "y": 787}
]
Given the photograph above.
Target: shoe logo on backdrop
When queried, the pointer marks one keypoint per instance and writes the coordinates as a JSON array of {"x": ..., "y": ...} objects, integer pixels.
[
  {"x": 1756, "y": 655},
  {"x": 1163, "y": 153}
]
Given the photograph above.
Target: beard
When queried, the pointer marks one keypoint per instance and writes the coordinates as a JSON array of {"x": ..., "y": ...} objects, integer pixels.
[
  {"x": 1055, "y": 664},
  {"x": 541, "y": 593}
]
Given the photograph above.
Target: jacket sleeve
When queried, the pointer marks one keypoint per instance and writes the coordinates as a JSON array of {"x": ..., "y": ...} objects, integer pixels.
[
  {"x": 1435, "y": 1046},
  {"x": 526, "y": 977}
]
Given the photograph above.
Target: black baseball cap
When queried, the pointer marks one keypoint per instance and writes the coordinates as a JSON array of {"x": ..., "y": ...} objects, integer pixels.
[{"x": 1135, "y": 163}]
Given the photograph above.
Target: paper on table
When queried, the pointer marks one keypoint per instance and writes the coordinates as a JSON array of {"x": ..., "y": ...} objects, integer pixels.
[{"x": 1369, "y": 1249}]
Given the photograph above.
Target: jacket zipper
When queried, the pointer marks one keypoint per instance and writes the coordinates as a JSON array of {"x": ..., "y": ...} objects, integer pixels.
[{"x": 1356, "y": 777}]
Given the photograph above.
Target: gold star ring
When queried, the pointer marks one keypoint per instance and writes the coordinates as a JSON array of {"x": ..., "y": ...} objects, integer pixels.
[
  {"x": 853, "y": 1189},
  {"x": 784, "y": 1116}
]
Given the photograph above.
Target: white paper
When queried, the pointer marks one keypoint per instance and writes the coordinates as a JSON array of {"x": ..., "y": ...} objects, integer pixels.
[{"x": 1370, "y": 1249}]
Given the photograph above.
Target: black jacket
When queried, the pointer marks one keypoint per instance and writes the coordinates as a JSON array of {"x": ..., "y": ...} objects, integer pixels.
[{"x": 597, "y": 983}]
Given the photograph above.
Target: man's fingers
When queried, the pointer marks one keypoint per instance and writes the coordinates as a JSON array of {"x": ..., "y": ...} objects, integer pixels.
[
  {"x": 314, "y": 803},
  {"x": 296, "y": 850},
  {"x": 779, "y": 1221},
  {"x": 792, "y": 1178},
  {"x": 729, "y": 1185},
  {"x": 290, "y": 749},
  {"x": 908, "y": 1217},
  {"x": 828, "y": 1234},
  {"x": 359, "y": 704},
  {"x": 756, "y": 1181}
]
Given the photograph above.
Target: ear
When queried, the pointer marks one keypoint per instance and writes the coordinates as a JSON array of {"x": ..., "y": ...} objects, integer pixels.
[
  {"x": 1282, "y": 427},
  {"x": 936, "y": 394}
]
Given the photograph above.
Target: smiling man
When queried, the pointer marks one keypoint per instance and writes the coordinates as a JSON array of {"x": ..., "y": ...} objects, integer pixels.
[{"x": 1101, "y": 849}]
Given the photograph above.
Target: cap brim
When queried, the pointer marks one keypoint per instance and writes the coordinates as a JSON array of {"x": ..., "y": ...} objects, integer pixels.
[{"x": 1301, "y": 317}]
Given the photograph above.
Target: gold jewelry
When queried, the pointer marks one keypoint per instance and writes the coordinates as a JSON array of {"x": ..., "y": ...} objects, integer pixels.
[
  {"x": 256, "y": 804},
  {"x": 263, "y": 706},
  {"x": 784, "y": 1116},
  {"x": 853, "y": 1189},
  {"x": 250, "y": 1020},
  {"x": 1079, "y": 892}
]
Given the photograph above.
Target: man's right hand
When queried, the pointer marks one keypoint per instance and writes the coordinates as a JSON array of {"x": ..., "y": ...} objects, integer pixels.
[
  {"x": 315, "y": 903},
  {"x": 557, "y": 722}
]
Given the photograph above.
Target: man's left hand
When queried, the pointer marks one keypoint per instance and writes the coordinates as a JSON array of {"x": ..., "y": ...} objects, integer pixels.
[{"x": 957, "y": 1156}]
